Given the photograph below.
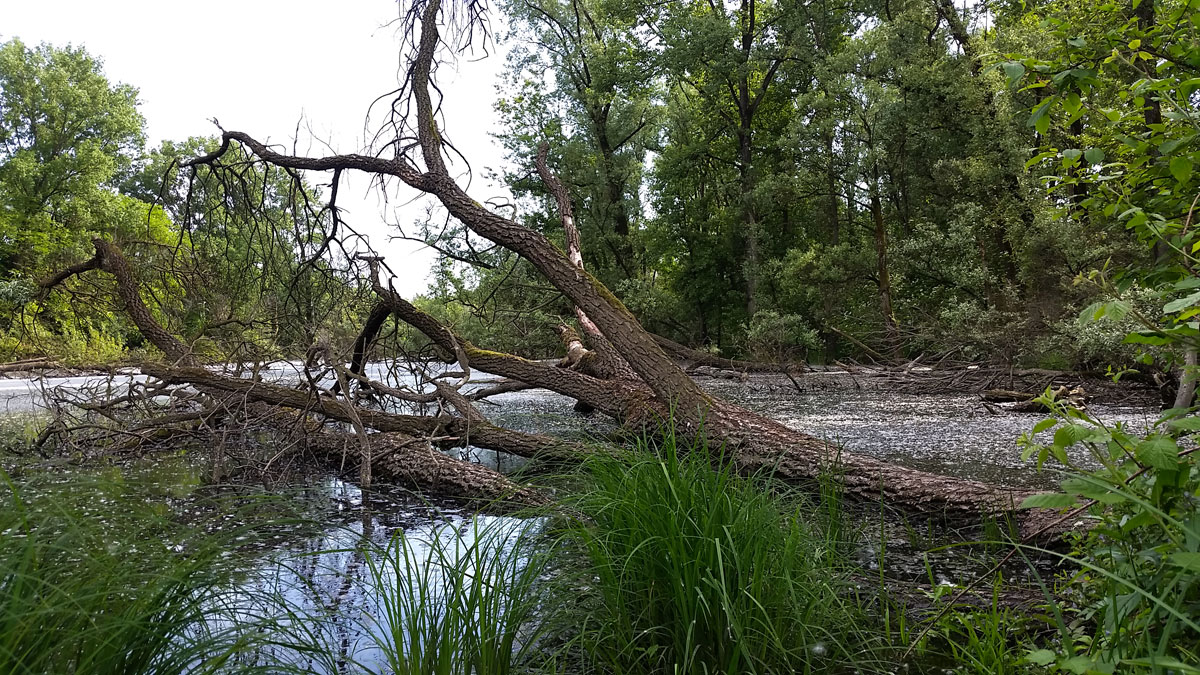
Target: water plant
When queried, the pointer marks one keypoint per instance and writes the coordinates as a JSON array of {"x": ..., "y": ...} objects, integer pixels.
[
  {"x": 461, "y": 599},
  {"x": 80, "y": 593}
]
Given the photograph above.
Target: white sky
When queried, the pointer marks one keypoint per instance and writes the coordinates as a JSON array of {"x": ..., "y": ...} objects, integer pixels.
[{"x": 262, "y": 66}]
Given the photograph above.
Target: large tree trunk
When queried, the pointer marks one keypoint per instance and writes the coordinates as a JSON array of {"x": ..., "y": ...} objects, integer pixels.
[{"x": 662, "y": 388}]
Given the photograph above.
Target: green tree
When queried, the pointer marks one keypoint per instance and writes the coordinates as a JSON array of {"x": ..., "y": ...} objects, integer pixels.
[{"x": 67, "y": 136}]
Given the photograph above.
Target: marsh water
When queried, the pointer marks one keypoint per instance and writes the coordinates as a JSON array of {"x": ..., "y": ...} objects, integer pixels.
[{"x": 317, "y": 565}]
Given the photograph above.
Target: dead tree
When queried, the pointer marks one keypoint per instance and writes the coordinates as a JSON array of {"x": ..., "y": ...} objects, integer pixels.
[{"x": 639, "y": 385}]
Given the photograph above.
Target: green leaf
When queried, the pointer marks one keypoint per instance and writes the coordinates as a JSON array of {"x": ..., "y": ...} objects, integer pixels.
[
  {"x": 1073, "y": 103},
  {"x": 1046, "y": 424},
  {"x": 1040, "y": 157},
  {"x": 1014, "y": 71},
  {"x": 1071, "y": 157},
  {"x": 1090, "y": 489},
  {"x": 1147, "y": 337},
  {"x": 1158, "y": 451},
  {"x": 1040, "y": 119},
  {"x": 1185, "y": 559},
  {"x": 1048, "y": 500},
  {"x": 1185, "y": 423},
  {"x": 1182, "y": 303},
  {"x": 1041, "y": 657},
  {"x": 1079, "y": 665},
  {"x": 1167, "y": 147},
  {"x": 1094, "y": 156},
  {"x": 1181, "y": 168},
  {"x": 1071, "y": 434}
]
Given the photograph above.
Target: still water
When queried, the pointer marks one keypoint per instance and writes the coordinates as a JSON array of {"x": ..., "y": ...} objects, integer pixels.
[{"x": 316, "y": 565}]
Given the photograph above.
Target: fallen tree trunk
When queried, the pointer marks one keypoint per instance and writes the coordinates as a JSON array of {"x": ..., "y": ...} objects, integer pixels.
[
  {"x": 411, "y": 461},
  {"x": 695, "y": 358},
  {"x": 662, "y": 389},
  {"x": 459, "y": 431}
]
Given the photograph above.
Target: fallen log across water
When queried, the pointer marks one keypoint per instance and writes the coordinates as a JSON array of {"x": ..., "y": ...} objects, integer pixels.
[
  {"x": 413, "y": 462},
  {"x": 640, "y": 385},
  {"x": 754, "y": 443}
]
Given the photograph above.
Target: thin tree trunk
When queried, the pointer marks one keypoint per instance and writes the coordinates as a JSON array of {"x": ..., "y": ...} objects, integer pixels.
[
  {"x": 883, "y": 273},
  {"x": 1187, "y": 380}
]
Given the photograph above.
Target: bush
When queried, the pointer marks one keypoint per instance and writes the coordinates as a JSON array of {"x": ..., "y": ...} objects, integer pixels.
[
  {"x": 1137, "y": 591},
  {"x": 775, "y": 337}
]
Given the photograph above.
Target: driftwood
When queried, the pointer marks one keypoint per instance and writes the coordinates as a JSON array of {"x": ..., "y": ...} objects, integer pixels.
[
  {"x": 23, "y": 365},
  {"x": 1024, "y": 401}
]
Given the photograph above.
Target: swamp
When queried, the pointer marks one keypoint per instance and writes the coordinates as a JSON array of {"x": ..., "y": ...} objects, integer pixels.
[{"x": 623, "y": 337}]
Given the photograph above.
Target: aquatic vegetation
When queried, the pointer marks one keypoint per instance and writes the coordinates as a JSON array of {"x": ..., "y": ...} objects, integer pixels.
[
  {"x": 84, "y": 594},
  {"x": 462, "y": 600}
]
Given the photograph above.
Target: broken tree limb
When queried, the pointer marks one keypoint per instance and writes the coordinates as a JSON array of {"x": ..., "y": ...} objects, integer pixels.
[
  {"x": 412, "y": 462},
  {"x": 463, "y": 431},
  {"x": 110, "y": 259},
  {"x": 754, "y": 442},
  {"x": 606, "y": 362},
  {"x": 698, "y": 358}
]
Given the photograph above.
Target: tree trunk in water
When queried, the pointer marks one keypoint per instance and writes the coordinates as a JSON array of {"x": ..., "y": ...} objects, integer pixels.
[{"x": 663, "y": 389}]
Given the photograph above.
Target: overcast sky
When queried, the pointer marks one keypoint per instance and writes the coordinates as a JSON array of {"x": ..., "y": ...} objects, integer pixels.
[{"x": 263, "y": 66}]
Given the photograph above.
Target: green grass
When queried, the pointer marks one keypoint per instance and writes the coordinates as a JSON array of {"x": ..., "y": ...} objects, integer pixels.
[
  {"x": 696, "y": 569},
  {"x": 85, "y": 594},
  {"x": 665, "y": 560},
  {"x": 461, "y": 601}
]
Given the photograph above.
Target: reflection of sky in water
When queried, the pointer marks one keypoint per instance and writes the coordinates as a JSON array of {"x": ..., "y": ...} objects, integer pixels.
[
  {"x": 328, "y": 575},
  {"x": 307, "y": 568}
]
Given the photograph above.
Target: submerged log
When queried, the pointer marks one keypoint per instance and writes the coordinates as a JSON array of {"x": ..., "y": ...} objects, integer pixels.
[
  {"x": 1025, "y": 401},
  {"x": 411, "y": 461},
  {"x": 1006, "y": 396},
  {"x": 695, "y": 358}
]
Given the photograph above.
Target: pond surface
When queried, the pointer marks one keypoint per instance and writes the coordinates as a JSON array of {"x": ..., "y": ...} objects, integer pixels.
[{"x": 319, "y": 567}]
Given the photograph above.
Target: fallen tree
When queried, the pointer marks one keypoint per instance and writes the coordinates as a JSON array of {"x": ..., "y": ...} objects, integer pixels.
[{"x": 631, "y": 379}]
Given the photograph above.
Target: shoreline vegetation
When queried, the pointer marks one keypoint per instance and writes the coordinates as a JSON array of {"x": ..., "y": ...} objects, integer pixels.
[{"x": 654, "y": 560}]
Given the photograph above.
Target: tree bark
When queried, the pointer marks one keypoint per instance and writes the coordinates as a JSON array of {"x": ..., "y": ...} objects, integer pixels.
[
  {"x": 411, "y": 461},
  {"x": 750, "y": 440},
  {"x": 883, "y": 272},
  {"x": 1187, "y": 380}
]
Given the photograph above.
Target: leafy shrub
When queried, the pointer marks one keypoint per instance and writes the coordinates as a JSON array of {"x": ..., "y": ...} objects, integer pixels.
[
  {"x": 776, "y": 337},
  {"x": 1137, "y": 605}
]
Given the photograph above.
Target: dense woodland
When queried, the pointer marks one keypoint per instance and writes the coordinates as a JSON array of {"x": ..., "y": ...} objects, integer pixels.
[
  {"x": 701, "y": 189},
  {"x": 785, "y": 181}
]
